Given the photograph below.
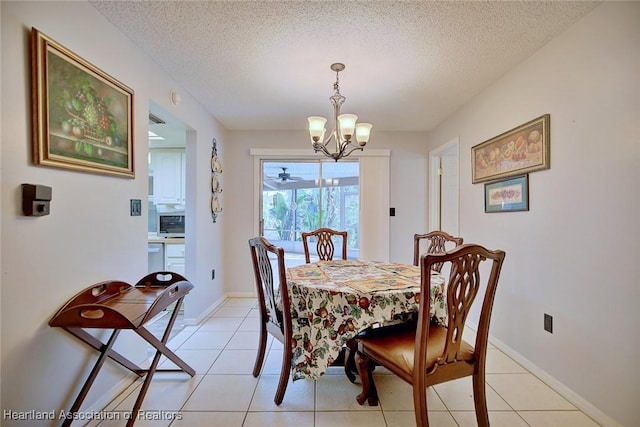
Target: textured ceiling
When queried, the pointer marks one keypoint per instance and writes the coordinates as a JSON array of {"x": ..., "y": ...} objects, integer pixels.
[{"x": 409, "y": 65}]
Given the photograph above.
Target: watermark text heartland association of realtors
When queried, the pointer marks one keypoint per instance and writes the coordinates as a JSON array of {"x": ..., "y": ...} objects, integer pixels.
[{"x": 8, "y": 414}]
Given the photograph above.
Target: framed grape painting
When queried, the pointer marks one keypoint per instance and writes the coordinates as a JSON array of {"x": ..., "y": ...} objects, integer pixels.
[{"x": 82, "y": 117}]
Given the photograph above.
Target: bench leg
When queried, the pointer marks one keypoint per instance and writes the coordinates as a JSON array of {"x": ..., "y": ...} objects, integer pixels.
[
  {"x": 161, "y": 349},
  {"x": 105, "y": 350}
]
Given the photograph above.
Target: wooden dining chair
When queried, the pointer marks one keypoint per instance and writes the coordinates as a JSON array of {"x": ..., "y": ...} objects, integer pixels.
[
  {"x": 274, "y": 305},
  {"x": 438, "y": 242},
  {"x": 325, "y": 246},
  {"x": 427, "y": 354}
]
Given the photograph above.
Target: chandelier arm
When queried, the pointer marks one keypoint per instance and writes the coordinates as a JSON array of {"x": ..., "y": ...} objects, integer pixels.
[
  {"x": 326, "y": 141},
  {"x": 321, "y": 147},
  {"x": 352, "y": 150},
  {"x": 340, "y": 145},
  {"x": 337, "y": 100},
  {"x": 329, "y": 138}
]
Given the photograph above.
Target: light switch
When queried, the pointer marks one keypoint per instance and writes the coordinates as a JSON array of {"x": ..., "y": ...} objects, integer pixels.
[{"x": 136, "y": 207}]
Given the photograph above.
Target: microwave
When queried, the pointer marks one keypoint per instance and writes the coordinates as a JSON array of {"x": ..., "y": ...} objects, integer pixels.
[{"x": 171, "y": 224}]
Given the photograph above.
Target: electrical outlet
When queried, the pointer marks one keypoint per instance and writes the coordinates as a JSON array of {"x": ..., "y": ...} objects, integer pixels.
[
  {"x": 213, "y": 273},
  {"x": 548, "y": 323}
]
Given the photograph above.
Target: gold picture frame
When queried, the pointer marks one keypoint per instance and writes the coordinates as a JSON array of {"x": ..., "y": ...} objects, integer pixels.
[
  {"x": 82, "y": 117},
  {"x": 518, "y": 151}
]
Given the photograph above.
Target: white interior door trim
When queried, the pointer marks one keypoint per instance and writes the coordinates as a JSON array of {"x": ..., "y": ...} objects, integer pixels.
[
  {"x": 435, "y": 155},
  {"x": 374, "y": 208}
]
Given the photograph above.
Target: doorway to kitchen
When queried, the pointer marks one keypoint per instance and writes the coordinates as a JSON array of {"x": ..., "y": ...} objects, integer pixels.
[
  {"x": 303, "y": 195},
  {"x": 166, "y": 201},
  {"x": 167, "y": 191}
]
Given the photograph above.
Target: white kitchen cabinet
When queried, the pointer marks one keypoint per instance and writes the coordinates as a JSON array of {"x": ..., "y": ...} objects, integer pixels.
[
  {"x": 168, "y": 176},
  {"x": 156, "y": 257},
  {"x": 174, "y": 257}
]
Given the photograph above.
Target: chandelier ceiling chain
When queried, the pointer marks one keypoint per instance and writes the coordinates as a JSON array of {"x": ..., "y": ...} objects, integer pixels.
[{"x": 344, "y": 126}]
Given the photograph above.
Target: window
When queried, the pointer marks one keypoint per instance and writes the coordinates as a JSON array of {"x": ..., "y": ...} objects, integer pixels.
[{"x": 304, "y": 195}]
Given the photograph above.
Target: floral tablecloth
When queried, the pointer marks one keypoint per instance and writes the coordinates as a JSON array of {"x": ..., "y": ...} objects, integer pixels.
[{"x": 332, "y": 301}]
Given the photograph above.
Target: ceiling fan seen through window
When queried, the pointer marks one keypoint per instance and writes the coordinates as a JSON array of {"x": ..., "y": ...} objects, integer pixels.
[{"x": 285, "y": 176}]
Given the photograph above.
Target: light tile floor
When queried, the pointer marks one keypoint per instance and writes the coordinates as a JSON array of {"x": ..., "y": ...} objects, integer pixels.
[{"x": 224, "y": 393}]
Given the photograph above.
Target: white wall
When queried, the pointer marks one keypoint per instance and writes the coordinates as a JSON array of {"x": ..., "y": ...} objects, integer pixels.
[
  {"x": 89, "y": 236},
  {"x": 574, "y": 255}
]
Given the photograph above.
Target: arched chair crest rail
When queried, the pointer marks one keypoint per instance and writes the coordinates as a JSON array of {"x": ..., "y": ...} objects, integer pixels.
[
  {"x": 325, "y": 245},
  {"x": 437, "y": 242}
]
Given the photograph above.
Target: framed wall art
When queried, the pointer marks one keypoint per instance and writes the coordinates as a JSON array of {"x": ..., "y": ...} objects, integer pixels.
[
  {"x": 82, "y": 117},
  {"x": 521, "y": 150},
  {"x": 508, "y": 195}
]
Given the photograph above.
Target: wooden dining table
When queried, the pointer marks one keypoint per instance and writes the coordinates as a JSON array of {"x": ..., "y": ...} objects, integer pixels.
[{"x": 332, "y": 301}]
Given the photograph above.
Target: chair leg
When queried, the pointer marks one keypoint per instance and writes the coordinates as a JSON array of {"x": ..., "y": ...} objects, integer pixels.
[
  {"x": 480, "y": 400},
  {"x": 285, "y": 371},
  {"x": 420, "y": 404},
  {"x": 262, "y": 346},
  {"x": 369, "y": 392},
  {"x": 349, "y": 360}
]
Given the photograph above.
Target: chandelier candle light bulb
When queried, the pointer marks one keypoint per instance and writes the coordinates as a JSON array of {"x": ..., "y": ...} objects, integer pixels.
[
  {"x": 345, "y": 127},
  {"x": 363, "y": 130},
  {"x": 316, "y": 128}
]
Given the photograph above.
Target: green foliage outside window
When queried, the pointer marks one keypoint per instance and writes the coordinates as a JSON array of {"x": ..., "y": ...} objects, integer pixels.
[{"x": 285, "y": 218}]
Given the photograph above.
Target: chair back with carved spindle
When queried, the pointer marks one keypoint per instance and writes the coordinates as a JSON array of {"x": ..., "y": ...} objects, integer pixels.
[
  {"x": 437, "y": 242},
  {"x": 325, "y": 245}
]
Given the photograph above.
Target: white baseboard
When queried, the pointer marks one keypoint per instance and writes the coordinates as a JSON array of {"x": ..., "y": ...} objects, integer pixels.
[
  {"x": 578, "y": 401},
  {"x": 102, "y": 402},
  {"x": 241, "y": 295},
  {"x": 217, "y": 304},
  {"x": 193, "y": 321}
]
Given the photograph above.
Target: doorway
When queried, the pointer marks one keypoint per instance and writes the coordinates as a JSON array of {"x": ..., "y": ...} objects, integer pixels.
[
  {"x": 303, "y": 195},
  {"x": 166, "y": 199},
  {"x": 167, "y": 191},
  {"x": 444, "y": 188}
]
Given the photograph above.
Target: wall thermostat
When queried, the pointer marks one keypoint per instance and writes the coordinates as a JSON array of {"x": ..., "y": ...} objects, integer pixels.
[{"x": 35, "y": 200}]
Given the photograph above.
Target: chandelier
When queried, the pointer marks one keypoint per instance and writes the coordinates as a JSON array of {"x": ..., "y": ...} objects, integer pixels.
[{"x": 344, "y": 126}]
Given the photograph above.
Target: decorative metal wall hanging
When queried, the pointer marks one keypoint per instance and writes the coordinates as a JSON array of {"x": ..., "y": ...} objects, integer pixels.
[{"x": 216, "y": 189}]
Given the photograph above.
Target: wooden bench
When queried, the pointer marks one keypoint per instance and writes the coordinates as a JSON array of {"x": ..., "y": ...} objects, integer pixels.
[{"x": 118, "y": 305}]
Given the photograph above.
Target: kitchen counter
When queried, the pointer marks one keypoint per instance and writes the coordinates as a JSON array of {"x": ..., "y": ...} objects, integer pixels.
[
  {"x": 166, "y": 253},
  {"x": 155, "y": 239}
]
